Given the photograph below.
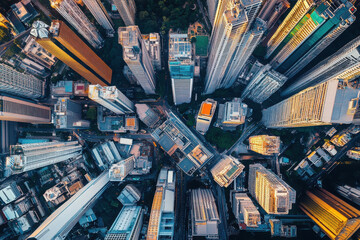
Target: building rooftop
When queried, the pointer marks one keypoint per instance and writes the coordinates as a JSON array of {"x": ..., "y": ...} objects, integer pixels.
[
  {"x": 180, "y": 143},
  {"x": 125, "y": 223}
]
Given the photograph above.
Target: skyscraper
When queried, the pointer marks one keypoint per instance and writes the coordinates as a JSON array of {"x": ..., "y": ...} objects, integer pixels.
[
  {"x": 137, "y": 57},
  {"x": 227, "y": 170},
  {"x": 127, "y": 225},
  {"x": 64, "y": 218},
  {"x": 325, "y": 41},
  {"x": 316, "y": 30},
  {"x": 111, "y": 98},
  {"x": 245, "y": 210},
  {"x": 212, "y": 7},
  {"x": 162, "y": 215},
  {"x": 229, "y": 45},
  {"x": 181, "y": 68},
  {"x": 324, "y": 104},
  {"x": 205, "y": 115},
  {"x": 67, "y": 44},
  {"x": 99, "y": 12},
  {"x": 69, "y": 10},
  {"x": 336, "y": 218},
  {"x": 273, "y": 194},
  {"x": 67, "y": 115},
  {"x": 12, "y": 109},
  {"x": 27, "y": 157},
  {"x": 127, "y": 10},
  {"x": 263, "y": 84},
  {"x": 297, "y": 12},
  {"x": 271, "y": 11},
  {"x": 153, "y": 45},
  {"x": 342, "y": 65},
  {"x": 264, "y": 144},
  {"x": 248, "y": 44},
  {"x": 204, "y": 214},
  {"x": 120, "y": 170},
  {"x": 20, "y": 84}
]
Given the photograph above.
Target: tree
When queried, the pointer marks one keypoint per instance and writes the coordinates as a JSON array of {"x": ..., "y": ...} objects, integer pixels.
[{"x": 143, "y": 15}]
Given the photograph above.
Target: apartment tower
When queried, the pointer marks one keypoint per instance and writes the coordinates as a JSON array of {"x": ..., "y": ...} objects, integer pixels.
[
  {"x": 137, "y": 57},
  {"x": 16, "y": 110},
  {"x": 99, "y": 12},
  {"x": 20, "y": 84},
  {"x": 324, "y": 104},
  {"x": 342, "y": 65},
  {"x": 69, "y": 10},
  {"x": 27, "y": 157},
  {"x": 229, "y": 45},
  {"x": 111, "y": 98},
  {"x": 127, "y": 10},
  {"x": 181, "y": 66},
  {"x": 71, "y": 50}
]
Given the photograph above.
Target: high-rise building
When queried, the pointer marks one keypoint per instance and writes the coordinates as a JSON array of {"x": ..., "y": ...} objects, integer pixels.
[
  {"x": 227, "y": 170},
  {"x": 130, "y": 195},
  {"x": 273, "y": 194},
  {"x": 264, "y": 144},
  {"x": 323, "y": 104},
  {"x": 295, "y": 15},
  {"x": 231, "y": 42},
  {"x": 271, "y": 11},
  {"x": 68, "y": 44},
  {"x": 147, "y": 115},
  {"x": 127, "y": 225},
  {"x": 120, "y": 170},
  {"x": 336, "y": 218},
  {"x": 64, "y": 218},
  {"x": 12, "y": 109},
  {"x": 127, "y": 10},
  {"x": 179, "y": 142},
  {"x": 153, "y": 45},
  {"x": 338, "y": 28},
  {"x": 20, "y": 84},
  {"x": 181, "y": 68},
  {"x": 111, "y": 98},
  {"x": 204, "y": 214},
  {"x": 137, "y": 57},
  {"x": 350, "y": 193},
  {"x": 27, "y": 157},
  {"x": 342, "y": 65},
  {"x": 245, "y": 210},
  {"x": 69, "y": 10},
  {"x": 162, "y": 215},
  {"x": 205, "y": 115},
  {"x": 37, "y": 53},
  {"x": 315, "y": 31},
  {"x": 99, "y": 12},
  {"x": 248, "y": 44},
  {"x": 233, "y": 113},
  {"x": 212, "y": 7},
  {"x": 67, "y": 115},
  {"x": 263, "y": 84}
]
